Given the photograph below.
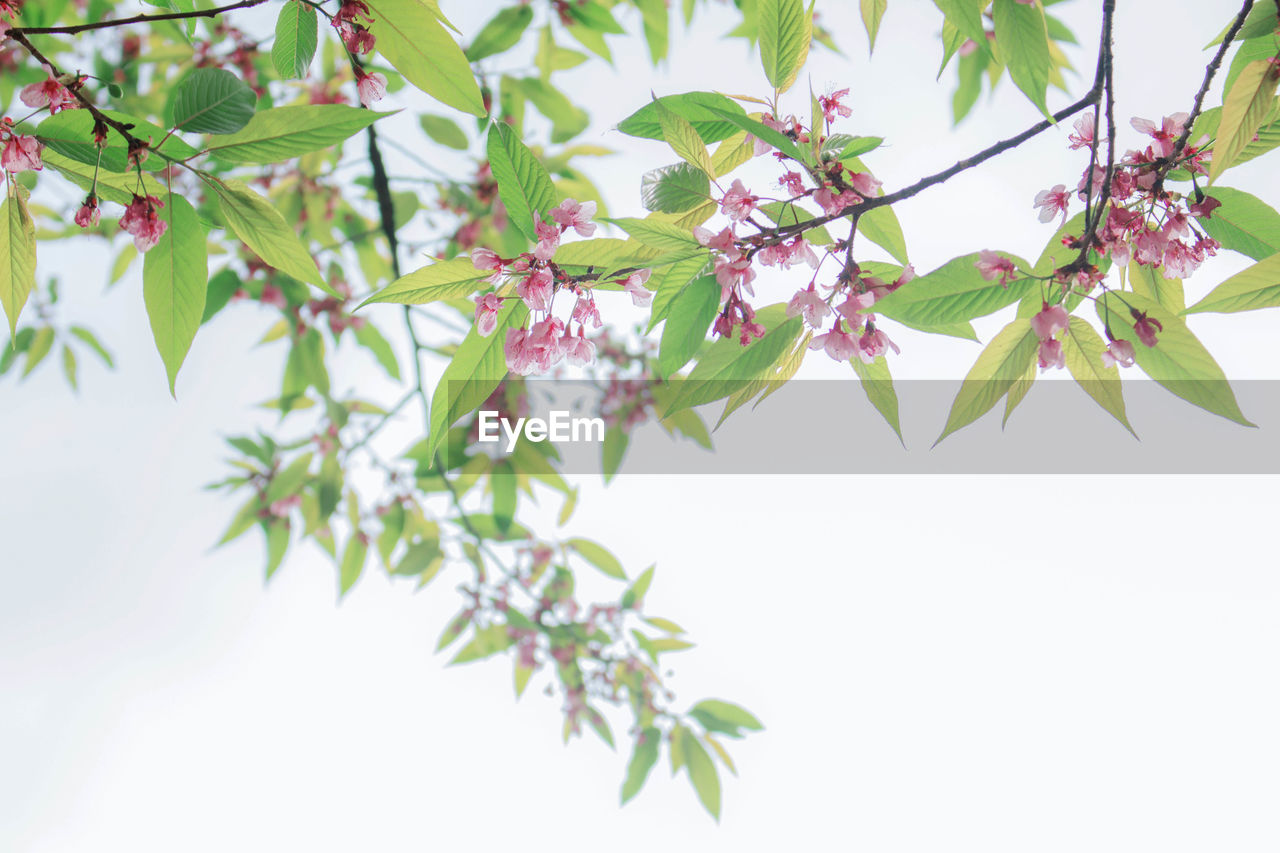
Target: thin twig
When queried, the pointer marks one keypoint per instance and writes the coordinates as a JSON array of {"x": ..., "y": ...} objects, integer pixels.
[
  {"x": 136, "y": 19},
  {"x": 1209, "y": 73}
]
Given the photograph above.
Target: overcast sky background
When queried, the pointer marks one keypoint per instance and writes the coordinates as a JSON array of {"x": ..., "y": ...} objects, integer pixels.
[{"x": 1003, "y": 664}]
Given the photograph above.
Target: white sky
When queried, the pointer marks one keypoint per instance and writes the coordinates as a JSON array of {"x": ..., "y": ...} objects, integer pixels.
[{"x": 994, "y": 664}]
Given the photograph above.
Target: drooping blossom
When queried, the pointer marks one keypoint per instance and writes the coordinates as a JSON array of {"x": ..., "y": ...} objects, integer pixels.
[
  {"x": 634, "y": 285},
  {"x": 1051, "y": 354},
  {"x": 1118, "y": 352},
  {"x": 21, "y": 154},
  {"x": 810, "y": 305},
  {"x": 737, "y": 203},
  {"x": 721, "y": 242},
  {"x": 1145, "y": 327},
  {"x": 571, "y": 214},
  {"x": 1166, "y": 134},
  {"x": 831, "y": 106},
  {"x": 49, "y": 93},
  {"x": 759, "y": 146},
  {"x": 865, "y": 183},
  {"x": 1052, "y": 202},
  {"x": 578, "y": 351},
  {"x": 89, "y": 214},
  {"x": 487, "y": 308},
  {"x": 535, "y": 289},
  {"x": 791, "y": 182},
  {"x": 734, "y": 272},
  {"x": 991, "y": 266},
  {"x": 1050, "y": 320},
  {"x": 837, "y": 343},
  {"x": 856, "y": 305},
  {"x": 140, "y": 220},
  {"x": 585, "y": 311},
  {"x": 832, "y": 203},
  {"x": 873, "y": 344},
  {"x": 1083, "y": 137},
  {"x": 788, "y": 253},
  {"x": 1205, "y": 207},
  {"x": 371, "y": 87},
  {"x": 354, "y": 35},
  {"x": 487, "y": 259}
]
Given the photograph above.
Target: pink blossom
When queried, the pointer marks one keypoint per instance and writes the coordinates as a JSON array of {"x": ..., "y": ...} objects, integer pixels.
[
  {"x": 518, "y": 357},
  {"x": 1052, "y": 202},
  {"x": 1051, "y": 354},
  {"x": 50, "y": 93},
  {"x": 21, "y": 154},
  {"x": 833, "y": 204},
  {"x": 1149, "y": 246},
  {"x": 722, "y": 242},
  {"x": 864, "y": 183},
  {"x": 836, "y": 343},
  {"x": 548, "y": 239},
  {"x": 731, "y": 272},
  {"x": 487, "y": 308},
  {"x": 89, "y": 215},
  {"x": 856, "y": 305},
  {"x": 272, "y": 295},
  {"x": 750, "y": 330},
  {"x": 759, "y": 146},
  {"x": 990, "y": 265},
  {"x": 535, "y": 289},
  {"x": 486, "y": 259},
  {"x": 140, "y": 220},
  {"x": 543, "y": 343},
  {"x": 371, "y": 87},
  {"x": 873, "y": 344},
  {"x": 1145, "y": 327},
  {"x": 634, "y": 285},
  {"x": 792, "y": 183},
  {"x": 356, "y": 38},
  {"x": 831, "y": 106},
  {"x": 1205, "y": 207},
  {"x": 810, "y": 305},
  {"x": 578, "y": 351},
  {"x": 585, "y": 311},
  {"x": 1083, "y": 137},
  {"x": 1166, "y": 135},
  {"x": 788, "y": 254},
  {"x": 1051, "y": 320},
  {"x": 737, "y": 203},
  {"x": 1118, "y": 352},
  {"x": 570, "y": 214}
]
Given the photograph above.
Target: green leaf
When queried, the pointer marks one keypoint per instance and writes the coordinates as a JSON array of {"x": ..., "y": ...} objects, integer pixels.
[
  {"x": 785, "y": 31},
  {"x": 1260, "y": 21},
  {"x": 70, "y": 133},
  {"x": 523, "y": 183},
  {"x": 613, "y": 450},
  {"x": 684, "y": 140},
  {"x": 1151, "y": 283},
  {"x": 567, "y": 119},
  {"x": 877, "y": 384},
  {"x": 1000, "y": 365},
  {"x": 880, "y": 226},
  {"x": 444, "y": 131},
  {"x": 1253, "y": 288},
  {"x": 702, "y": 772},
  {"x": 477, "y": 367},
  {"x": 353, "y": 560},
  {"x": 175, "y": 274},
  {"x": 634, "y": 596},
  {"x": 643, "y": 756},
  {"x": 702, "y": 109},
  {"x": 261, "y": 227},
  {"x": 290, "y": 479},
  {"x": 1244, "y": 109},
  {"x": 368, "y": 336},
  {"x": 90, "y": 340},
  {"x": 691, "y": 314},
  {"x": 110, "y": 186},
  {"x": 1244, "y": 223},
  {"x": 956, "y": 292},
  {"x": 725, "y": 717},
  {"x": 966, "y": 17},
  {"x": 283, "y": 133},
  {"x": 674, "y": 189},
  {"x": 486, "y": 643},
  {"x": 444, "y": 280},
  {"x": 297, "y": 35},
  {"x": 668, "y": 283},
  {"x": 277, "y": 531},
  {"x": 598, "y": 556},
  {"x": 657, "y": 234},
  {"x": 1178, "y": 361},
  {"x": 411, "y": 38},
  {"x": 41, "y": 346},
  {"x": 420, "y": 557},
  {"x": 69, "y": 367},
  {"x": 872, "y": 12},
  {"x": 1023, "y": 41},
  {"x": 212, "y": 100},
  {"x": 1083, "y": 347},
  {"x": 776, "y": 138},
  {"x": 17, "y": 257},
  {"x": 502, "y": 32},
  {"x": 505, "y": 497},
  {"x": 856, "y": 146}
]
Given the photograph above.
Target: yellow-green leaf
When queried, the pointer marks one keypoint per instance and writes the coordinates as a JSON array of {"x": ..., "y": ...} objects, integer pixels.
[
  {"x": 1244, "y": 109},
  {"x": 261, "y": 227},
  {"x": 1000, "y": 365},
  {"x": 1083, "y": 347},
  {"x": 1253, "y": 288},
  {"x": 785, "y": 32},
  {"x": 17, "y": 257},
  {"x": 411, "y": 38},
  {"x": 175, "y": 275}
]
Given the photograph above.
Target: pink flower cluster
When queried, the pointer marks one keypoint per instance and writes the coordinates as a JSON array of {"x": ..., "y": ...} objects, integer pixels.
[
  {"x": 549, "y": 340},
  {"x": 141, "y": 220},
  {"x": 354, "y": 34},
  {"x": 51, "y": 93},
  {"x": 20, "y": 153},
  {"x": 853, "y": 330}
]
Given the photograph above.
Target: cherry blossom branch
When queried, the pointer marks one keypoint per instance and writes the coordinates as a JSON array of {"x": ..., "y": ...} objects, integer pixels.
[
  {"x": 136, "y": 19},
  {"x": 1209, "y": 73}
]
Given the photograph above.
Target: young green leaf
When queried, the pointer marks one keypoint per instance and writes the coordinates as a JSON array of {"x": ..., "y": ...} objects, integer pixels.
[
  {"x": 283, "y": 133},
  {"x": 523, "y": 183},
  {"x": 877, "y": 384},
  {"x": 643, "y": 756},
  {"x": 1083, "y": 347},
  {"x": 999, "y": 366},
  {"x": 212, "y": 100},
  {"x": 689, "y": 318},
  {"x": 1244, "y": 110},
  {"x": 1148, "y": 281},
  {"x": 444, "y": 131},
  {"x": 657, "y": 234},
  {"x": 261, "y": 227},
  {"x": 956, "y": 292},
  {"x": 1178, "y": 361},
  {"x": 1254, "y": 288},
  {"x": 70, "y": 133},
  {"x": 444, "y": 280},
  {"x": 702, "y": 773},
  {"x": 17, "y": 257},
  {"x": 684, "y": 140},
  {"x": 175, "y": 275},
  {"x": 872, "y": 12},
  {"x": 598, "y": 556},
  {"x": 353, "y": 560},
  {"x": 1023, "y": 41},
  {"x": 297, "y": 35},
  {"x": 674, "y": 189},
  {"x": 1244, "y": 224},
  {"x": 412, "y": 39},
  {"x": 501, "y": 33},
  {"x": 702, "y": 109},
  {"x": 785, "y": 32}
]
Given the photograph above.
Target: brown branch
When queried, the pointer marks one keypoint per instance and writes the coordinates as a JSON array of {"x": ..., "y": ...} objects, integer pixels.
[{"x": 136, "y": 19}]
